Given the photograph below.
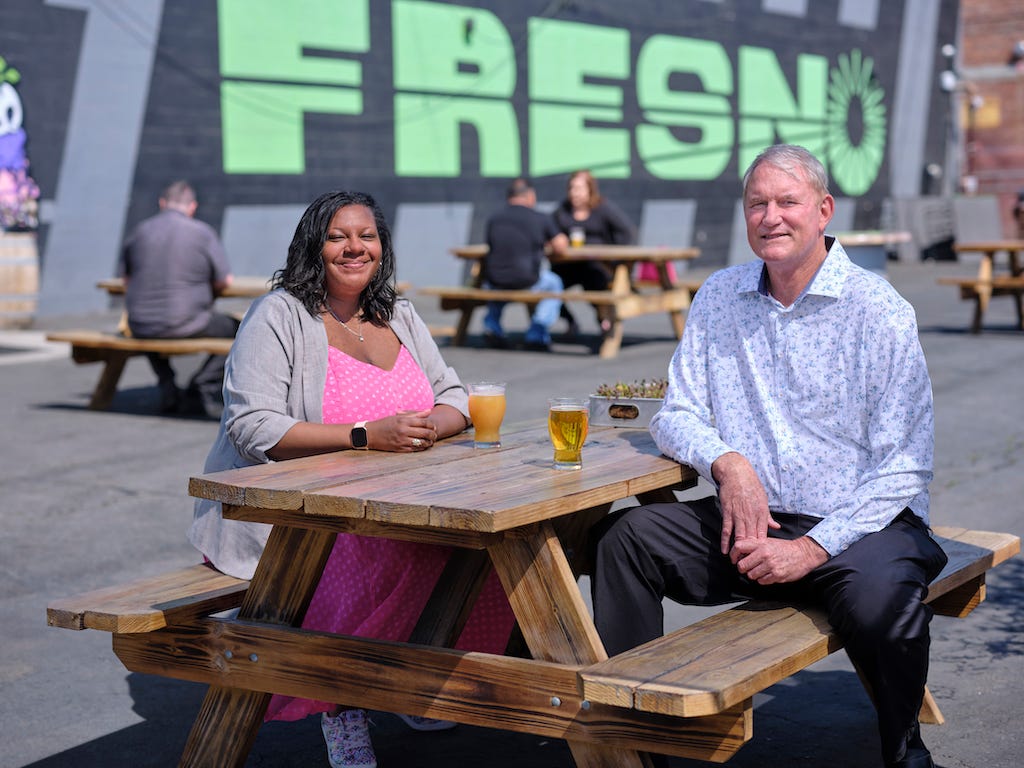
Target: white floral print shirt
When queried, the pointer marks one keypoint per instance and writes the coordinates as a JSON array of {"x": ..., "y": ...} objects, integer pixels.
[{"x": 828, "y": 398}]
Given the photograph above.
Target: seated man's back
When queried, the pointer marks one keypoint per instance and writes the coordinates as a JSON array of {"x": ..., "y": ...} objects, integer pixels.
[
  {"x": 174, "y": 266},
  {"x": 172, "y": 262}
]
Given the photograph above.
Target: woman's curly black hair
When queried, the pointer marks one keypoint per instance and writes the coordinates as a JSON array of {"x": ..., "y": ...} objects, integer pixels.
[{"x": 303, "y": 274}]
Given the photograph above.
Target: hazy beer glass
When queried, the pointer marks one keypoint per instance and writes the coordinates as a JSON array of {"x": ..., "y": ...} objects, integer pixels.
[{"x": 487, "y": 409}]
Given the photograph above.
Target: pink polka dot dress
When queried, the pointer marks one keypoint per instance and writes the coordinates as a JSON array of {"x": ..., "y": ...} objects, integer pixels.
[{"x": 376, "y": 587}]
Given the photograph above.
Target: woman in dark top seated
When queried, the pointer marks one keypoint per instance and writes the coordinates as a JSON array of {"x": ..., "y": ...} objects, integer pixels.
[{"x": 586, "y": 216}]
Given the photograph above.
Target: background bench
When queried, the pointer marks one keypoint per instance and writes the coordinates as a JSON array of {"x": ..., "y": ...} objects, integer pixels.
[
  {"x": 617, "y": 306},
  {"x": 704, "y": 669},
  {"x": 980, "y": 290},
  {"x": 114, "y": 350}
]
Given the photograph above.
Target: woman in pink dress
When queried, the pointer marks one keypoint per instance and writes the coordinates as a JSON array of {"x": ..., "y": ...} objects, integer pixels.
[{"x": 330, "y": 360}]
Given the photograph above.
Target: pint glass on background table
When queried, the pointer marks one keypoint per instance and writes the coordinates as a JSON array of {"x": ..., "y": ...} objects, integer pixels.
[
  {"x": 567, "y": 425},
  {"x": 487, "y": 409}
]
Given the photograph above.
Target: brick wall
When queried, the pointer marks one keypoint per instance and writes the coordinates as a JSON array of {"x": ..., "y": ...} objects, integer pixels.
[{"x": 994, "y": 128}]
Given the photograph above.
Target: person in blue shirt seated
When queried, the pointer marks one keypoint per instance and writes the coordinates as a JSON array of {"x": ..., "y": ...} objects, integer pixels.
[{"x": 800, "y": 391}]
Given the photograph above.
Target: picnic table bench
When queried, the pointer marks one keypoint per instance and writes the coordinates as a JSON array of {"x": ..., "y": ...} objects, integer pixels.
[
  {"x": 687, "y": 694},
  {"x": 114, "y": 350},
  {"x": 988, "y": 282},
  {"x": 625, "y": 298}
]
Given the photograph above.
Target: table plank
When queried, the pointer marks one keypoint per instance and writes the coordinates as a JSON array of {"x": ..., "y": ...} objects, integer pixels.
[
  {"x": 242, "y": 286},
  {"x": 595, "y": 252},
  {"x": 282, "y": 485},
  {"x": 508, "y": 488}
]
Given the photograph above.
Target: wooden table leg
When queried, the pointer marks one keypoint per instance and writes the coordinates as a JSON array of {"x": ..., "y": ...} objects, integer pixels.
[
  {"x": 113, "y": 367},
  {"x": 452, "y": 599},
  {"x": 280, "y": 591},
  {"x": 668, "y": 283},
  {"x": 611, "y": 341},
  {"x": 462, "y": 327},
  {"x": 554, "y": 619},
  {"x": 984, "y": 290}
]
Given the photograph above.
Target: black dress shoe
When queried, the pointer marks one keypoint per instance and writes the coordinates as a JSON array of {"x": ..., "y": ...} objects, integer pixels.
[
  {"x": 914, "y": 759},
  {"x": 537, "y": 346},
  {"x": 170, "y": 397},
  {"x": 917, "y": 755},
  {"x": 494, "y": 341}
]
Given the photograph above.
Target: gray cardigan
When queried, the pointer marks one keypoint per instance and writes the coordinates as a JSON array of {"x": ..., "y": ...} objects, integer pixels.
[{"x": 275, "y": 378}]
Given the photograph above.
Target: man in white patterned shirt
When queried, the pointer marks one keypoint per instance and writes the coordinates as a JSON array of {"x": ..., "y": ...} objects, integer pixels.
[{"x": 800, "y": 390}]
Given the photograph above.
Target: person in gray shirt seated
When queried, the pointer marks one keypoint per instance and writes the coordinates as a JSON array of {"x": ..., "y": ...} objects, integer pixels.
[{"x": 174, "y": 267}]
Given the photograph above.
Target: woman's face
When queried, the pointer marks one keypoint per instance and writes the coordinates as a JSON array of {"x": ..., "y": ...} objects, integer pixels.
[
  {"x": 352, "y": 251},
  {"x": 579, "y": 192}
]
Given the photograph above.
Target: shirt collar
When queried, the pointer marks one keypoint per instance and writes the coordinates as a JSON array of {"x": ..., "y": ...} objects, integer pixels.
[{"x": 828, "y": 281}]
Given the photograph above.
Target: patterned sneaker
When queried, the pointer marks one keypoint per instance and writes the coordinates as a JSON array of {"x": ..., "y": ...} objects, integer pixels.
[
  {"x": 348, "y": 739},
  {"x": 418, "y": 723}
]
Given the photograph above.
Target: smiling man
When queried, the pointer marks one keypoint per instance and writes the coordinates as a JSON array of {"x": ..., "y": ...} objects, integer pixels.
[{"x": 800, "y": 391}]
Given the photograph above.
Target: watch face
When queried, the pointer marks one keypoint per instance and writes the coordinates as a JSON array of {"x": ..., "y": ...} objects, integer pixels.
[{"x": 359, "y": 437}]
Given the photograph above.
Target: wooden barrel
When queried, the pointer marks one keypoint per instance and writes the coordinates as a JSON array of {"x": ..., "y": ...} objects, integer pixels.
[{"x": 19, "y": 278}]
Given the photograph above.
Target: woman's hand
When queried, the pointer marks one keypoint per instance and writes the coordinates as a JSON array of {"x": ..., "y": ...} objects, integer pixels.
[{"x": 405, "y": 432}]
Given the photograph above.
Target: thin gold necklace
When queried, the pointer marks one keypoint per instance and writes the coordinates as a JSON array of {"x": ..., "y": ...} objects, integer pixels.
[{"x": 357, "y": 334}]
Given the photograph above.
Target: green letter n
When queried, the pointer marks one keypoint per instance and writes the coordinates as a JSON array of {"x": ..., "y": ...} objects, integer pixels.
[{"x": 768, "y": 110}]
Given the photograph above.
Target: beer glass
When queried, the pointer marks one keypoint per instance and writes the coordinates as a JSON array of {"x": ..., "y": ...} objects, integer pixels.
[
  {"x": 567, "y": 425},
  {"x": 487, "y": 409}
]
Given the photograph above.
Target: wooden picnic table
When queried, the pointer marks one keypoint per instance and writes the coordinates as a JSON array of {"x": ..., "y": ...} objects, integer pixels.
[
  {"x": 988, "y": 250},
  {"x": 507, "y": 502},
  {"x": 990, "y": 280},
  {"x": 624, "y": 299},
  {"x": 242, "y": 287},
  {"x": 689, "y": 693}
]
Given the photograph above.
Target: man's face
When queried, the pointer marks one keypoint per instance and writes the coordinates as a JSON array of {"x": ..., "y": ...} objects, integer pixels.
[{"x": 786, "y": 216}]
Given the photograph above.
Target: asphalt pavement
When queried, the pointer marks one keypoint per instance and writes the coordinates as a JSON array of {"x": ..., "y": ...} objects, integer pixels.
[{"x": 92, "y": 499}]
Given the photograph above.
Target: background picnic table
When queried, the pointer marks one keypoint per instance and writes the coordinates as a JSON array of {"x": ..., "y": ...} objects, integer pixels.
[{"x": 93, "y": 499}]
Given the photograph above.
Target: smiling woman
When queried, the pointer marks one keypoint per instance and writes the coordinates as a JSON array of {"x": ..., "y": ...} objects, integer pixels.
[{"x": 330, "y": 360}]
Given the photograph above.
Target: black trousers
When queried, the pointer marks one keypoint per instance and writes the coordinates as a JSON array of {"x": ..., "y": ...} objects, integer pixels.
[
  {"x": 209, "y": 378},
  {"x": 589, "y": 275},
  {"x": 873, "y": 593}
]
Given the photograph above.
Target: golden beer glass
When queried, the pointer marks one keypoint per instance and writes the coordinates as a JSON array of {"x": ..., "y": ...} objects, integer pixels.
[{"x": 567, "y": 425}]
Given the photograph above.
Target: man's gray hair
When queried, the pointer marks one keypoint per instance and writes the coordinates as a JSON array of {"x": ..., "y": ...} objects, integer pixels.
[
  {"x": 179, "y": 193},
  {"x": 794, "y": 160}
]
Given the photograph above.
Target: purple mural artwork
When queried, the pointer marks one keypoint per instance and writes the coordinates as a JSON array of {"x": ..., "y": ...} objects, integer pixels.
[{"x": 19, "y": 194}]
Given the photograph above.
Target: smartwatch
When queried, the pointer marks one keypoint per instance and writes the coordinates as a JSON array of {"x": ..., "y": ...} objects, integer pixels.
[{"x": 358, "y": 435}]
